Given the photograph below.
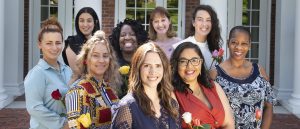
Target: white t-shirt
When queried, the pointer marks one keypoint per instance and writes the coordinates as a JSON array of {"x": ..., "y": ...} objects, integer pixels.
[{"x": 204, "y": 49}]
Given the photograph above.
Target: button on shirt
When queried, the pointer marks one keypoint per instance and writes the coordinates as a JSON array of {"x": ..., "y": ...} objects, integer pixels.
[{"x": 39, "y": 83}]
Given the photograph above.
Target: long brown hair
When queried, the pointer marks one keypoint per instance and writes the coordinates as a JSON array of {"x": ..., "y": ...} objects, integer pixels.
[
  {"x": 164, "y": 88},
  {"x": 111, "y": 75}
]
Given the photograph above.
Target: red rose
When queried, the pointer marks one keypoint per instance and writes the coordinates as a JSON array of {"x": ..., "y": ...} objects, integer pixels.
[
  {"x": 258, "y": 114},
  {"x": 56, "y": 95}
]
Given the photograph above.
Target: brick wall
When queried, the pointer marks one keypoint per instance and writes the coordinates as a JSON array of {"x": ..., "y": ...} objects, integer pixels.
[
  {"x": 272, "y": 42},
  {"x": 189, "y": 8},
  {"x": 108, "y": 14},
  {"x": 26, "y": 23}
]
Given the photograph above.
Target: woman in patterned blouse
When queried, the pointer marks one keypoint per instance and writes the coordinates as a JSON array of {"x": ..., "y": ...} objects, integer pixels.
[
  {"x": 245, "y": 84},
  {"x": 93, "y": 93}
]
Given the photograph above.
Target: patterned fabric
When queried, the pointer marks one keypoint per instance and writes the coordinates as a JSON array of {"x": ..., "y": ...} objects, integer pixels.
[
  {"x": 90, "y": 96},
  {"x": 246, "y": 96},
  {"x": 130, "y": 116},
  {"x": 190, "y": 103}
]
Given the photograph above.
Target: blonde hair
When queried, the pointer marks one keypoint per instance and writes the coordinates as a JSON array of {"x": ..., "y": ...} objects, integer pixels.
[{"x": 111, "y": 75}]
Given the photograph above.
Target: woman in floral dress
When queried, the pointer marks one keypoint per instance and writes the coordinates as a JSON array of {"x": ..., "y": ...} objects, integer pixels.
[{"x": 245, "y": 84}]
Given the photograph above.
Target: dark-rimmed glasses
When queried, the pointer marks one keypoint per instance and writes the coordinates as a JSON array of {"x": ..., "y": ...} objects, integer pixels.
[{"x": 194, "y": 61}]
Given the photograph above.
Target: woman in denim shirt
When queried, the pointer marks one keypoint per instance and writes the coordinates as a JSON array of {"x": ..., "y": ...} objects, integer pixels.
[{"x": 48, "y": 76}]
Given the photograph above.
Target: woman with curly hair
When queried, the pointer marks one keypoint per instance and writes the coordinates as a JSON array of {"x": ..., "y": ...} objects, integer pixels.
[
  {"x": 94, "y": 93},
  {"x": 126, "y": 38},
  {"x": 205, "y": 32},
  {"x": 150, "y": 102}
]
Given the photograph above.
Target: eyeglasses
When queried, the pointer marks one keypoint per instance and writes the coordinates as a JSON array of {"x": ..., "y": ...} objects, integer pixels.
[{"x": 194, "y": 61}]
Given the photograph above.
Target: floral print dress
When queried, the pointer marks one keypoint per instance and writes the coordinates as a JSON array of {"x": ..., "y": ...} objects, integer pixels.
[{"x": 246, "y": 96}]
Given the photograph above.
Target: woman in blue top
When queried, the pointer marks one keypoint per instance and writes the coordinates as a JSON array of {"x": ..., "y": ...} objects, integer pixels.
[
  {"x": 46, "y": 77},
  {"x": 245, "y": 84}
]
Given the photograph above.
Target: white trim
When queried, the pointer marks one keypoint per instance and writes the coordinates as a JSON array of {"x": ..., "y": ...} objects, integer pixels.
[
  {"x": 68, "y": 15},
  {"x": 34, "y": 27},
  {"x": 294, "y": 101},
  {"x": 285, "y": 21},
  {"x": 15, "y": 89},
  {"x": 268, "y": 33},
  {"x": 264, "y": 47},
  {"x": 116, "y": 18},
  {"x": 121, "y": 10},
  {"x": 4, "y": 98}
]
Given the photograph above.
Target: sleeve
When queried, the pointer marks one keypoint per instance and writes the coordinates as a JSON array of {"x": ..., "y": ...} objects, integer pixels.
[
  {"x": 269, "y": 94},
  {"x": 77, "y": 103},
  {"x": 122, "y": 118},
  {"x": 178, "y": 118},
  {"x": 35, "y": 85}
]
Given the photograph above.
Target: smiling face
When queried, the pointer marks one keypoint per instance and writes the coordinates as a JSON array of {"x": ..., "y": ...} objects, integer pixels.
[
  {"x": 128, "y": 41},
  {"x": 202, "y": 23},
  {"x": 161, "y": 24},
  {"x": 51, "y": 46},
  {"x": 98, "y": 61},
  {"x": 239, "y": 45},
  {"x": 189, "y": 65},
  {"x": 86, "y": 24},
  {"x": 151, "y": 70}
]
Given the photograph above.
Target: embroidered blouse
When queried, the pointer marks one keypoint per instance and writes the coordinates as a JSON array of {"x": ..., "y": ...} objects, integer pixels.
[
  {"x": 130, "y": 116},
  {"x": 90, "y": 96},
  {"x": 190, "y": 103}
]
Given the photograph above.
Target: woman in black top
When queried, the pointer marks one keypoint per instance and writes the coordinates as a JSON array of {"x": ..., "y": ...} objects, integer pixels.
[{"x": 86, "y": 23}]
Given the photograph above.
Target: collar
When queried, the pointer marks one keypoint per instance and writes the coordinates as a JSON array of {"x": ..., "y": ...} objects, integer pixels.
[{"x": 42, "y": 63}]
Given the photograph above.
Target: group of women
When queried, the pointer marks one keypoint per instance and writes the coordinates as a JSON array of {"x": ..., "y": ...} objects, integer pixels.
[{"x": 168, "y": 77}]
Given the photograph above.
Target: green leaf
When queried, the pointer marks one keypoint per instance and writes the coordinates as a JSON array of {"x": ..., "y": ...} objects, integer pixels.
[{"x": 206, "y": 126}]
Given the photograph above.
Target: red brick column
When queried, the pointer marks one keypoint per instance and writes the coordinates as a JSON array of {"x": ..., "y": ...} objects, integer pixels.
[
  {"x": 108, "y": 16},
  {"x": 189, "y": 8}
]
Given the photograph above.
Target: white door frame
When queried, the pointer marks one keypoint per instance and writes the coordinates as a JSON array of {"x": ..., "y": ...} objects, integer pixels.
[{"x": 235, "y": 18}]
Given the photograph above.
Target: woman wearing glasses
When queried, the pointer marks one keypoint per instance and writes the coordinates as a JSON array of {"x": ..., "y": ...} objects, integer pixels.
[{"x": 195, "y": 93}]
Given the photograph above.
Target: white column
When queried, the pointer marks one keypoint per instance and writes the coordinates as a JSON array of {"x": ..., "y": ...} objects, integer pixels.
[
  {"x": 95, "y": 4},
  {"x": 220, "y": 6},
  {"x": 294, "y": 101},
  {"x": 284, "y": 50},
  {"x": 4, "y": 98},
  {"x": 14, "y": 47}
]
